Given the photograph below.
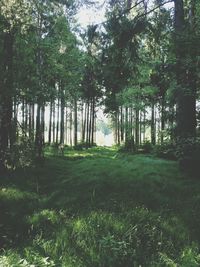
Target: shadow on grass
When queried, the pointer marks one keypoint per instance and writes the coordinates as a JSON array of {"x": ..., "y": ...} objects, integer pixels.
[{"x": 48, "y": 200}]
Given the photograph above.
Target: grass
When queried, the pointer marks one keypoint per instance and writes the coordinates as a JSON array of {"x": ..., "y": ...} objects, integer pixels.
[{"x": 98, "y": 208}]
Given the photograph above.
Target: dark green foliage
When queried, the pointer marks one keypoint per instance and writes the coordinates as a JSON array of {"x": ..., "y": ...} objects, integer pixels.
[
  {"x": 128, "y": 146},
  {"x": 188, "y": 155},
  {"x": 166, "y": 150},
  {"x": 83, "y": 145},
  {"x": 21, "y": 154},
  {"x": 146, "y": 147}
]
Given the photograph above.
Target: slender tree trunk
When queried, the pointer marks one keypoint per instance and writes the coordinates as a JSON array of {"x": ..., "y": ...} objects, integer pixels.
[
  {"x": 71, "y": 123},
  {"x": 118, "y": 126},
  {"x": 57, "y": 122},
  {"x": 30, "y": 120},
  {"x": 93, "y": 121},
  {"x": 122, "y": 124},
  {"x": 50, "y": 121},
  {"x": 144, "y": 126},
  {"x": 43, "y": 124},
  {"x": 62, "y": 116},
  {"x": 87, "y": 122},
  {"x": 137, "y": 127},
  {"x": 84, "y": 124},
  {"x": 38, "y": 135},
  {"x": 66, "y": 125},
  {"x": 90, "y": 123},
  {"x": 162, "y": 119},
  {"x": 75, "y": 122},
  {"x": 26, "y": 117},
  {"x": 126, "y": 125},
  {"x": 153, "y": 137},
  {"x": 14, "y": 131},
  {"x": 115, "y": 127},
  {"x": 54, "y": 121},
  {"x": 33, "y": 120}
]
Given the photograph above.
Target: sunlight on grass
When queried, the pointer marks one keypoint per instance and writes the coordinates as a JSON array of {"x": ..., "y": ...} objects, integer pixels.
[{"x": 14, "y": 194}]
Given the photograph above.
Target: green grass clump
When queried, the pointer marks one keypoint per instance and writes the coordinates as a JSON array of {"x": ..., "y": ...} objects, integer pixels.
[{"x": 98, "y": 208}]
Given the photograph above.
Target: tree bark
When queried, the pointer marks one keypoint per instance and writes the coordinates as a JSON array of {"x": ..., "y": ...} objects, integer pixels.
[
  {"x": 153, "y": 136},
  {"x": 57, "y": 122},
  {"x": 186, "y": 95},
  {"x": 50, "y": 121},
  {"x": 75, "y": 122},
  {"x": 6, "y": 92},
  {"x": 62, "y": 116},
  {"x": 137, "y": 127}
]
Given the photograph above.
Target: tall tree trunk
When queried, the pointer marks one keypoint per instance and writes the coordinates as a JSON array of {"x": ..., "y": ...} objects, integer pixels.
[
  {"x": 33, "y": 120},
  {"x": 66, "y": 125},
  {"x": 54, "y": 121},
  {"x": 90, "y": 124},
  {"x": 84, "y": 123},
  {"x": 93, "y": 121},
  {"x": 43, "y": 124},
  {"x": 14, "y": 132},
  {"x": 153, "y": 135},
  {"x": 30, "y": 120},
  {"x": 26, "y": 118},
  {"x": 57, "y": 122},
  {"x": 50, "y": 122},
  {"x": 126, "y": 125},
  {"x": 186, "y": 95},
  {"x": 118, "y": 127},
  {"x": 75, "y": 122},
  {"x": 70, "y": 130},
  {"x": 87, "y": 122},
  {"x": 6, "y": 93},
  {"x": 38, "y": 134},
  {"x": 122, "y": 124},
  {"x": 162, "y": 119},
  {"x": 62, "y": 116},
  {"x": 144, "y": 125},
  {"x": 137, "y": 126}
]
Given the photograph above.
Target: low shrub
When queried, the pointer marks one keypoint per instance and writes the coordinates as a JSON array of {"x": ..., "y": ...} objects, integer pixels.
[
  {"x": 128, "y": 146},
  {"x": 188, "y": 154},
  {"x": 84, "y": 145},
  {"x": 21, "y": 154},
  {"x": 166, "y": 150},
  {"x": 146, "y": 147}
]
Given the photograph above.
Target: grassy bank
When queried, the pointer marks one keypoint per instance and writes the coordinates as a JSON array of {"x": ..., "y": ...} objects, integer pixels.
[{"x": 97, "y": 208}]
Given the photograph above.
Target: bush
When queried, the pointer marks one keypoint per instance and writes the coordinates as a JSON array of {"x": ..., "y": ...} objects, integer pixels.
[
  {"x": 21, "y": 154},
  {"x": 146, "y": 146},
  {"x": 84, "y": 145},
  {"x": 166, "y": 150},
  {"x": 128, "y": 146},
  {"x": 188, "y": 154}
]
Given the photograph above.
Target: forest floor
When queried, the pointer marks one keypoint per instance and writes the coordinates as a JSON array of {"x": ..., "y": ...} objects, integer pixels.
[{"x": 99, "y": 208}]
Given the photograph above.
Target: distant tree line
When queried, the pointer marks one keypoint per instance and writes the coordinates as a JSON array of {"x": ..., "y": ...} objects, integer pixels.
[{"x": 141, "y": 63}]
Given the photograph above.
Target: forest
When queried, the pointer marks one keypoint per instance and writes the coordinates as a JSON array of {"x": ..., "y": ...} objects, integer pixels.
[{"x": 66, "y": 201}]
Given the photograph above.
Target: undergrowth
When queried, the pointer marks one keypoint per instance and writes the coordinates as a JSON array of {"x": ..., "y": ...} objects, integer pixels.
[{"x": 98, "y": 208}]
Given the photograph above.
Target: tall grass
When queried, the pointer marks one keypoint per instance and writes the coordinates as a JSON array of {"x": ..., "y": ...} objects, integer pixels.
[{"x": 97, "y": 208}]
